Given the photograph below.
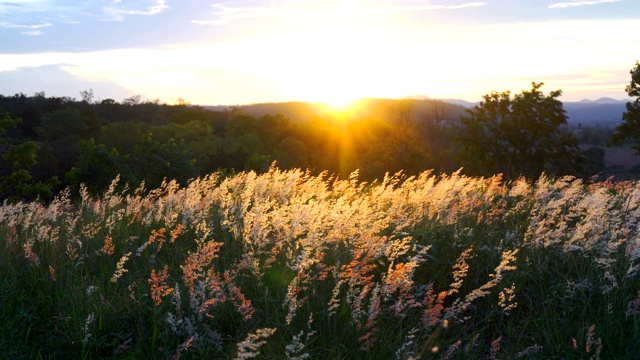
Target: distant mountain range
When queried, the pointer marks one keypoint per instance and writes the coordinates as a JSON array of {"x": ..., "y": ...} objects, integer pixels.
[
  {"x": 601, "y": 112},
  {"x": 604, "y": 111}
]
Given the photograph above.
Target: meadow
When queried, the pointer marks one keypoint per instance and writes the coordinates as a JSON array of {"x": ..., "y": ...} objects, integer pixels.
[{"x": 290, "y": 265}]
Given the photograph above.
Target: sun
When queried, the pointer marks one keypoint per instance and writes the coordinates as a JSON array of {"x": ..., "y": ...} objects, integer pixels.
[
  {"x": 335, "y": 89},
  {"x": 339, "y": 108},
  {"x": 340, "y": 103}
]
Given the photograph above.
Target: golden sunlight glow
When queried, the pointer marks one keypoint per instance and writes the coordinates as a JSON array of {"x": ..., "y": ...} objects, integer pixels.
[{"x": 340, "y": 104}]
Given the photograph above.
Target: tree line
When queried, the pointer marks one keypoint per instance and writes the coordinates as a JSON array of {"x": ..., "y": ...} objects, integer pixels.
[{"x": 51, "y": 143}]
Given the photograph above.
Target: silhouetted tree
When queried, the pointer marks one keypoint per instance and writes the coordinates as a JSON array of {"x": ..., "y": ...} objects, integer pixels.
[
  {"x": 518, "y": 136},
  {"x": 87, "y": 96},
  {"x": 630, "y": 127}
]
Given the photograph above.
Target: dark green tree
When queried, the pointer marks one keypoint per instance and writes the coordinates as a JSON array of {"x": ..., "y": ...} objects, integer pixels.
[
  {"x": 201, "y": 142},
  {"x": 240, "y": 124},
  {"x": 518, "y": 136},
  {"x": 243, "y": 142},
  {"x": 16, "y": 180},
  {"x": 153, "y": 161},
  {"x": 258, "y": 163},
  {"x": 630, "y": 127},
  {"x": 96, "y": 167},
  {"x": 124, "y": 136},
  {"x": 20, "y": 184},
  {"x": 272, "y": 129},
  {"x": 291, "y": 153},
  {"x": 61, "y": 132}
]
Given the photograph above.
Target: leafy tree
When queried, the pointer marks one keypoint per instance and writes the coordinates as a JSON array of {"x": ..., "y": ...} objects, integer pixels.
[
  {"x": 291, "y": 153},
  {"x": 16, "y": 181},
  {"x": 96, "y": 167},
  {"x": 124, "y": 136},
  {"x": 153, "y": 161},
  {"x": 258, "y": 163},
  {"x": 66, "y": 123},
  {"x": 240, "y": 124},
  {"x": 62, "y": 130},
  {"x": 20, "y": 184},
  {"x": 398, "y": 146},
  {"x": 257, "y": 142},
  {"x": 630, "y": 127},
  {"x": 199, "y": 138},
  {"x": 272, "y": 129},
  {"x": 6, "y": 122},
  {"x": 248, "y": 145},
  {"x": 185, "y": 114},
  {"x": 438, "y": 131},
  {"x": 518, "y": 136}
]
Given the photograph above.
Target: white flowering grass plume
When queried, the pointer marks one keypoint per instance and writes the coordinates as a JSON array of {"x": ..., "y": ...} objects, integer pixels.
[{"x": 295, "y": 265}]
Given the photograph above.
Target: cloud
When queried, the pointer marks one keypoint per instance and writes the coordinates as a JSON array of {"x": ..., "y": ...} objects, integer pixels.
[
  {"x": 118, "y": 10},
  {"x": 23, "y": 25},
  {"x": 32, "y": 33},
  {"x": 9, "y": 5},
  {"x": 64, "y": 19},
  {"x": 224, "y": 14},
  {"x": 567, "y": 4},
  {"x": 36, "y": 14}
]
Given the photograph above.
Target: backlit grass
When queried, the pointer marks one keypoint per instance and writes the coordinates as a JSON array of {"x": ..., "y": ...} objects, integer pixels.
[{"x": 290, "y": 265}]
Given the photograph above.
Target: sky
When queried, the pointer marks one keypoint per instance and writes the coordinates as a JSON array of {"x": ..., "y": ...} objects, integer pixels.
[{"x": 252, "y": 51}]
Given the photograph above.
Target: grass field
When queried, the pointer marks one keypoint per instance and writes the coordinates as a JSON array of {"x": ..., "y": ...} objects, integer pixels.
[{"x": 286, "y": 265}]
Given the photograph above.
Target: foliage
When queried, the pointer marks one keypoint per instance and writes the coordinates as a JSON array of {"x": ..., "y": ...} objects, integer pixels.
[
  {"x": 62, "y": 131},
  {"x": 517, "y": 136},
  {"x": 291, "y": 265},
  {"x": 16, "y": 180},
  {"x": 630, "y": 127},
  {"x": 291, "y": 154},
  {"x": 96, "y": 166},
  {"x": 399, "y": 146},
  {"x": 153, "y": 161},
  {"x": 375, "y": 136}
]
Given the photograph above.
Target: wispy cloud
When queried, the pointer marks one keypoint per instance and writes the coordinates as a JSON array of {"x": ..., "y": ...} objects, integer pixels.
[
  {"x": 41, "y": 13},
  {"x": 32, "y": 33},
  {"x": 224, "y": 14},
  {"x": 23, "y": 25},
  {"x": 10, "y": 5},
  {"x": 118, "y": 10},
  {"x": 567, "y": 4},
  {"x": 62, "y": 18}
]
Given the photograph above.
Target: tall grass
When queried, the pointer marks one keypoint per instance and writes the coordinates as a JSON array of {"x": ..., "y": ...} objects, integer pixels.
[{"x": 287, "y": 265}]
